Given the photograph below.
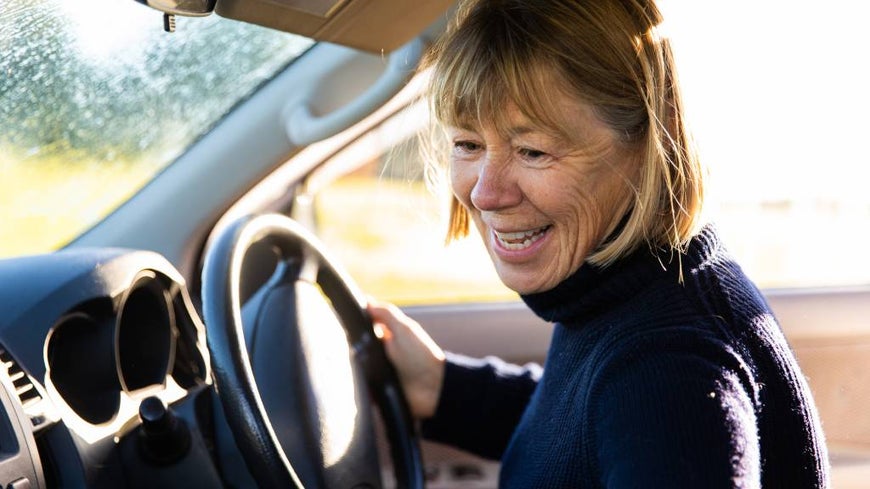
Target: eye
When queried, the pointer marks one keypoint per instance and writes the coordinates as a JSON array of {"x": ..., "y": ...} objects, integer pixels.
[
  {"x": 466, "y": 146},
  {"x": 531, "y": 154},
  {"x": 534, "y": 158}
]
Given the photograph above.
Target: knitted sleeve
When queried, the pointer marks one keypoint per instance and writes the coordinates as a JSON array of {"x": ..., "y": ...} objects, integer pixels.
[
  {"x": 481, "y": 403},
  {"x": 675, "y": 418}
]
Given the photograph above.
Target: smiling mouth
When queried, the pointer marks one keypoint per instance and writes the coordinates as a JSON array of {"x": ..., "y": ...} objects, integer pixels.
[{"x": 520, "y": 240}]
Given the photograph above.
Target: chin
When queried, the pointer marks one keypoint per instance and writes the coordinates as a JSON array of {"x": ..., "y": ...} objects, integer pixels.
[{"x": 523, "y": 285}]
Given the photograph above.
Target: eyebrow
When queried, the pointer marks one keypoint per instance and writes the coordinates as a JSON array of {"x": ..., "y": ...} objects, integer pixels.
[
  {"x": 520, "y": 130},
  {"x": 523, "y": 130}
]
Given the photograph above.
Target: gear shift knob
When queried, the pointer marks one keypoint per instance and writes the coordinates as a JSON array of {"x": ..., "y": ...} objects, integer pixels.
[{"x": 164, "y": 438}]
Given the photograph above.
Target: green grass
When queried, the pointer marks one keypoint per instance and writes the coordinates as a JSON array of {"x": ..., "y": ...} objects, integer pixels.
[{"x": 47, "y": 201}]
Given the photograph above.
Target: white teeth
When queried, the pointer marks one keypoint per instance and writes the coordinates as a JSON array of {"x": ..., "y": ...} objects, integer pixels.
[{"x": 520, "y": 240}]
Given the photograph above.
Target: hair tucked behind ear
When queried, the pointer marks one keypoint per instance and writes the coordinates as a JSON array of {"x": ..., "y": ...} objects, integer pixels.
[{"x": 609, "y": 54}]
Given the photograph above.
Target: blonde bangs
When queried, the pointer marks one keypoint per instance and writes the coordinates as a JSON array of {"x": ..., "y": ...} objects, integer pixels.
[{"x": 477, "y": 77}]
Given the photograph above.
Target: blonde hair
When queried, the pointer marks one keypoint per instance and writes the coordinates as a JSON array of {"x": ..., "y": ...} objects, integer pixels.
[{"x": 607, "y": 53}]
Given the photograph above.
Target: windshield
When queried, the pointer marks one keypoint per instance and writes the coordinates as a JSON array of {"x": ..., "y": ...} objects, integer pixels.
[{"x": 95, "y": 99}]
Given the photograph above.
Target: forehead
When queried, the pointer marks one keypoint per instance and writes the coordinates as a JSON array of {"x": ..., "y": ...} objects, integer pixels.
[{"x": 562, "y": 116}]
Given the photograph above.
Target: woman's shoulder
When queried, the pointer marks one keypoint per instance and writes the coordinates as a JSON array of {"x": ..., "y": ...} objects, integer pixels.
[
  {"x": 654, "y": 353},
  {"x": 666, "y": 354},
  {"x": 673, "y": 392},
  {"x": 669, "y": 405}
]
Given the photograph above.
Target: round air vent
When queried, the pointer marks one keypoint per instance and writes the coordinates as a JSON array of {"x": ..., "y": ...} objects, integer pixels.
[
  {"x": 145, "y": 336},
  {"x": 81, "y": 365}
]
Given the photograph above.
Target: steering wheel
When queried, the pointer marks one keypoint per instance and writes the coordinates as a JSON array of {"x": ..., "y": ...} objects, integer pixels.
[{"x": 315, "y": 383}]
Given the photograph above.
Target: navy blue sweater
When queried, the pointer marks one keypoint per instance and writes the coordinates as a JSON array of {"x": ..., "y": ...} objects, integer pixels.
[{"x": 649, "y": 383}]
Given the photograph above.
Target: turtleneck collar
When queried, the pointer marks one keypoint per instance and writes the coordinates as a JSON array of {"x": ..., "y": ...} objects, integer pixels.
[{"x": 591, "y": 290}]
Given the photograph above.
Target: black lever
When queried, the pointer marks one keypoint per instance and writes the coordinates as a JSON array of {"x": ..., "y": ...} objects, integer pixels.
[{"x": 164, "y": 438}]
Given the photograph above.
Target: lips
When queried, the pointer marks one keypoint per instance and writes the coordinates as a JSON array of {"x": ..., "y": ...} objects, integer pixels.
[{"x": 520, "y": 240}]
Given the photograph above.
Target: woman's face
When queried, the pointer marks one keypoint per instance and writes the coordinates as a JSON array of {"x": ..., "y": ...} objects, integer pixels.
[{"x": 542, "y": 203}]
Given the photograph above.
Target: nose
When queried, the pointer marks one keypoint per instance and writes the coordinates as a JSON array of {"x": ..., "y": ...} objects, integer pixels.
[{"x": 496, "y": 187}]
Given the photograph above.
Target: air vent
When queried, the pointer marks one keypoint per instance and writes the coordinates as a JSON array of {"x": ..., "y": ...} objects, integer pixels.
[{"x": 24, "y": 388}]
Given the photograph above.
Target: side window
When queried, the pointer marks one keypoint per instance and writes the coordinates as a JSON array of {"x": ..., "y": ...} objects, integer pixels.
[
  {"x": 786, "y": 154},
  {"x": 780, "y": 120},
  {"x": 375, "y": 212}
]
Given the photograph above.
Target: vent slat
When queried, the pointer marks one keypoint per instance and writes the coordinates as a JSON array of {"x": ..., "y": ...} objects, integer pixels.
[
  {"x": 24, "y": 388},
  {"x": 30, "y": 398}
]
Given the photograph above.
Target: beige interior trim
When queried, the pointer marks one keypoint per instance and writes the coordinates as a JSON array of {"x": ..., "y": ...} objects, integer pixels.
[
  {"x": 320, "y": 8},
  {"x": 377, "y": 26}
]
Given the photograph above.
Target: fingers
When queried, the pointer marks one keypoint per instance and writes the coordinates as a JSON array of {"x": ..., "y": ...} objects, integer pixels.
[
  {"x": 386, "y": 314},
  {"x": 403, "y": 335},
  {"x": 419, "y": 361},
  {"x": 397, "y": 330},
  {"x": 382, "y": 332}
]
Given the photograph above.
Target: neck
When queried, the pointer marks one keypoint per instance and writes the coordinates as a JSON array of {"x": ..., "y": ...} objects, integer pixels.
[{"x": 591, "y": 289}]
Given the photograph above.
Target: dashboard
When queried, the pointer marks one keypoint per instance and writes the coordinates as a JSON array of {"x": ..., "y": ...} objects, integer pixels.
[{"x": 95, "y": 345}]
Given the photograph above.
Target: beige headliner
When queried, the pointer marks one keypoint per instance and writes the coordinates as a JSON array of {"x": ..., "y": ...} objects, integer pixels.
[{"x": 378, "y": 26}]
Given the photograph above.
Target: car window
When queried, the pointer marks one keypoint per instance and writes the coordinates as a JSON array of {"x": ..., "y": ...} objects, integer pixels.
[
  {"x": 95, "y": 99},
  {"x": 776, "y": 95},
  {"x": 778, "y": 119}
]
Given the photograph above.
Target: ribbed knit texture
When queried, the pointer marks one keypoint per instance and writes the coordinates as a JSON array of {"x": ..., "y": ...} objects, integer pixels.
[{"x": 649, "y": 383}]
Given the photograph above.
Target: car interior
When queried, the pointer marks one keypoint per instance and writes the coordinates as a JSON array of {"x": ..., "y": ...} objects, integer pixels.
[{"x": 208, "y": 327}]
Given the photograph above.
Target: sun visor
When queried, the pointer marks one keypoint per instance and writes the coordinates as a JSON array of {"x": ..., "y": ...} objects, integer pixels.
[{"x": 377, "y": 26}]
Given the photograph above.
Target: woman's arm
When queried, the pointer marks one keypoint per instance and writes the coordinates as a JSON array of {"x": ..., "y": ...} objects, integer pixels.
[
  {"x": 419, "y": 361},
  {"x": 481, "y": 404},
  {"x": 473, "y": 404}
]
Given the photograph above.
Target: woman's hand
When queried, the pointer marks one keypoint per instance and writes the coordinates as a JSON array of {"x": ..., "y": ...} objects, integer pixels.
[{"x": 418, "y": 360}]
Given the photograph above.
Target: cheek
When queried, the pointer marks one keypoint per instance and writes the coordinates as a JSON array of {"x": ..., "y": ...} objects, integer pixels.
[
  {"x": 462, "y": 178},
  {"x": 613, "y": 199},
  {"x": 574, "y": 197},
  {"x": 588, "y": 206}
]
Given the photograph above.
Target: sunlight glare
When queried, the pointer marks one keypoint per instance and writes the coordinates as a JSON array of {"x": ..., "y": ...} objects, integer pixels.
[
  {"x": 328, "y": 356},
  {"x": 103, "y": 28},
  {"x": 775, "y": 96}
]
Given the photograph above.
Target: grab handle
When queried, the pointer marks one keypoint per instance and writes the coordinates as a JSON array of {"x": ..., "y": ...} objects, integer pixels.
[{"x": 304, "y": 127}]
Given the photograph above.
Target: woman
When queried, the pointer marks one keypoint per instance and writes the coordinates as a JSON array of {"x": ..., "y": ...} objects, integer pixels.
[{"x": 570, "y": 155}]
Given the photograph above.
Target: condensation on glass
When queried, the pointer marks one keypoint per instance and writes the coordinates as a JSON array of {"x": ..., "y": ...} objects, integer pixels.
[{"x": 95, "y": 92}]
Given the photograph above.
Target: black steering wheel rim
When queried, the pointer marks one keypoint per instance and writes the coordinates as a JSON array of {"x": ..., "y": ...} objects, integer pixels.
[{"x": 231, "y": 365}]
